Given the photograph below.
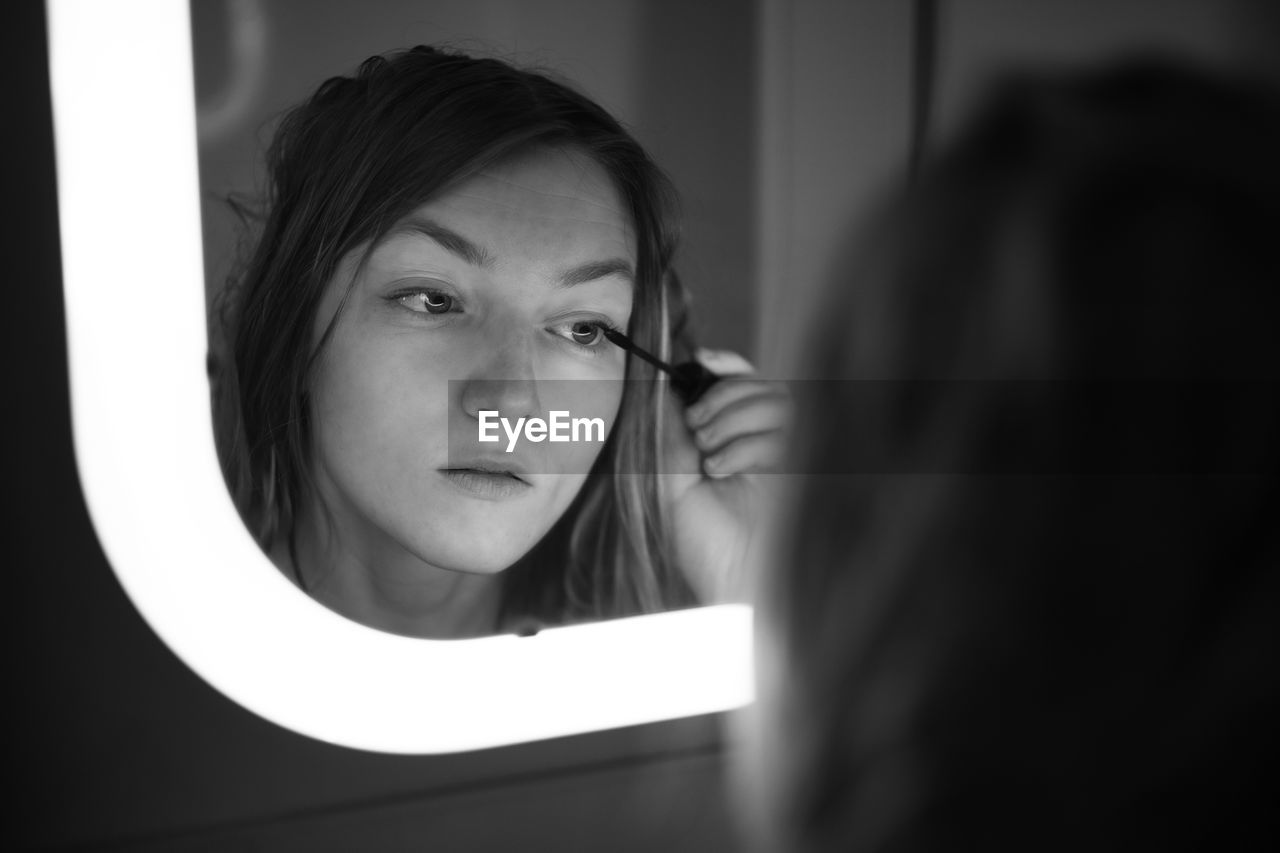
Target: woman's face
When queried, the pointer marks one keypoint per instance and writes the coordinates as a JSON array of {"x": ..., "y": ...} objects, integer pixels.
[{"x": 482, "y": 300}]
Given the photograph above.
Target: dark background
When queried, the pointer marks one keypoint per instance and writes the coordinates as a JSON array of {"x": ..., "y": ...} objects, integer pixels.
[{"x": 112, "y": 743}]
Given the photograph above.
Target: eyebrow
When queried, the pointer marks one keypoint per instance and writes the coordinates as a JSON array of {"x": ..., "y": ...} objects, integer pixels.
[
  {"x": 583, "y": 273},
  {"x": 451, "y": 241},
  {"x": 475, "y": 255}
]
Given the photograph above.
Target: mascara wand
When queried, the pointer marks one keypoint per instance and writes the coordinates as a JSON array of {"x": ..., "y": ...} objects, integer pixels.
[{"x": 690, "y": 379}]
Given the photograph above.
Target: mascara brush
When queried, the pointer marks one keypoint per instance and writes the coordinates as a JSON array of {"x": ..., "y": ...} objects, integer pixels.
[{"x": 689, "y": 379}]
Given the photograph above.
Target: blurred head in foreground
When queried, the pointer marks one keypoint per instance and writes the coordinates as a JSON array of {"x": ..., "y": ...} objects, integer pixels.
[{"x": 1031, "y": 602}]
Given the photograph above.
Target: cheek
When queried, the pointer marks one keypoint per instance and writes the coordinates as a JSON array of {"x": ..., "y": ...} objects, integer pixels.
[
  {"x": 587, "y": 413},
  {"x": 374, "y": 409},
  {"x": 381, "y": 413}
]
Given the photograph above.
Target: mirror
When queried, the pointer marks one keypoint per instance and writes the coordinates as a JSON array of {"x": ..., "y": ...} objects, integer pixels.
[
  {"x": 124, "y": 129},
  {"x": 434, "y": 241}
]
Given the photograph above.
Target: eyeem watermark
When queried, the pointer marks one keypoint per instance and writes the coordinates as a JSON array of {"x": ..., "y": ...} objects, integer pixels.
[{"x": 561, "y": 427}]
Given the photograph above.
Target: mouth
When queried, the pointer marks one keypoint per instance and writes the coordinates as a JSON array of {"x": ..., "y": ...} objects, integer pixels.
[
  {"x": 490, "y": 469},
  {"x": 487, "y": 480}
]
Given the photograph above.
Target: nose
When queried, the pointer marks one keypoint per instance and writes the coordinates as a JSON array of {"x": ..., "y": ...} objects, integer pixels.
[{"x": 503, "y": 381}]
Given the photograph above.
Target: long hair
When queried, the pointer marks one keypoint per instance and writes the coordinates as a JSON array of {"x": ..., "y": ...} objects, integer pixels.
[
  {"x": 343, "y": 168},
  {"x": 1018, "y": 626}
]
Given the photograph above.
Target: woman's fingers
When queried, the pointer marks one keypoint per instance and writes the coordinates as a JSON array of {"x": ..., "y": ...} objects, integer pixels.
[
  {"x": 762, "y": 411},
  {"x": 739, "y": 423},
  {"x": 725, "y": 394},
  {"x": 724, "y": 362},
  {"x": 754, "y": 453}
]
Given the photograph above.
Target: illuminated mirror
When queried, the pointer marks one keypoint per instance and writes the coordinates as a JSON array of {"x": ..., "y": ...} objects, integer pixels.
[
  {"x": 438, "y": 279},
  {"x": 133, "y": 261}
]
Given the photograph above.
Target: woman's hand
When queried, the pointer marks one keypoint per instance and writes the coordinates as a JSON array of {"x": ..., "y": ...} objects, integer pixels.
[{"x": 717, "y": 502}]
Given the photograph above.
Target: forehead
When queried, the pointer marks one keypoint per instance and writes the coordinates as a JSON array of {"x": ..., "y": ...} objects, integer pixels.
[{"x": 546, "y": 198}]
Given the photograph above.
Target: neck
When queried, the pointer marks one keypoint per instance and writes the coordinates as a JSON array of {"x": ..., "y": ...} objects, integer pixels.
[{"x": 386, "y": 587}]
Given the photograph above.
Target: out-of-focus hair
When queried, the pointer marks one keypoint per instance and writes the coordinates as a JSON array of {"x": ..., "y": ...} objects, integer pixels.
[
  {"x": 343, "y": 168},
  {"x": 974, "y": 644}
]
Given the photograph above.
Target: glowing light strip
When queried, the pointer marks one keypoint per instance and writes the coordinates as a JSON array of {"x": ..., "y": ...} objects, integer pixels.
[{"x": 132, "y": 273}]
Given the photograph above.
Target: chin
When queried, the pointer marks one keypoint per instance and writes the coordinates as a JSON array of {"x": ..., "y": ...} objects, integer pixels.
[
  {"x": 477, "y": 566},
  {"x": 486, "y": 552},
  {"x": 472, "y": 536}
]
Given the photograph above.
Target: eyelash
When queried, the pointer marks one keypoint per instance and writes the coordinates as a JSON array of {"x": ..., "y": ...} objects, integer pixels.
[
  {"x": 401, "y": 298},
  {"x": 594, "y": 347}
]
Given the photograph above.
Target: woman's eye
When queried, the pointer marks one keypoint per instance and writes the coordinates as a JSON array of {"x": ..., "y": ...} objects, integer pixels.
[
  {"x": 427, "y": 301},
  {"x": 585, "y": 333}
]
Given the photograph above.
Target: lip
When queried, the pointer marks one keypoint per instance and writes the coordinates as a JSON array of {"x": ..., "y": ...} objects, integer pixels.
[
  {"x": 490, "y": 466},
  {"x": 487, "y": 480}
]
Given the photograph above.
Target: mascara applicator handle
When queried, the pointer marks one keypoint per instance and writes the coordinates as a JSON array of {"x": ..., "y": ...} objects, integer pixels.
[{"x": 691, "y": 380}]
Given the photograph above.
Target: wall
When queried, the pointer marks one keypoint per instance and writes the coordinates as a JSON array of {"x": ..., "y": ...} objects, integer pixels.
[
  {"x": 833, "y": 125},
  {"x": 834, "y": 122}
]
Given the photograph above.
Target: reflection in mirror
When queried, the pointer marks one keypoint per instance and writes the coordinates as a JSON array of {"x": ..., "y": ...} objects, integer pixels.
[
  {"x": 444, "y": 241},
  {"x": 121, "y": 79}
]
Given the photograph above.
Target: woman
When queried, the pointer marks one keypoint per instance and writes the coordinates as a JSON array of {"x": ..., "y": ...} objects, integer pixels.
[
  {"x": 446, "y": 241},
  {"x": 1029, "y": 598}
]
